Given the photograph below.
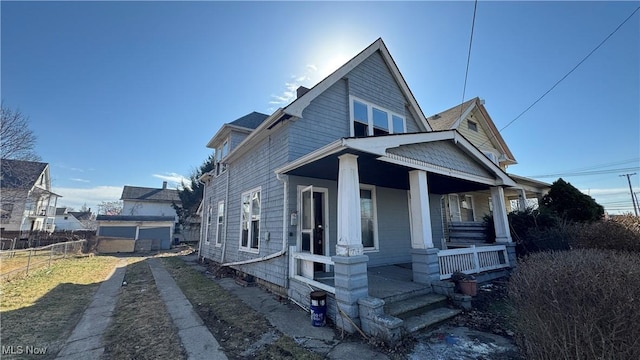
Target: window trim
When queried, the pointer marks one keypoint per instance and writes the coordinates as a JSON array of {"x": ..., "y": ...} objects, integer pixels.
[
  {"x": 472, "y": 125},
  {"x": 220, "y": 155},
  {"x": 374, "y": 201},
  {"x": 209, "y": 214},
  {"x": 220, "y": 223},
  {"x": 370, "y": 125},
  {"x": 248, "y": 248}
]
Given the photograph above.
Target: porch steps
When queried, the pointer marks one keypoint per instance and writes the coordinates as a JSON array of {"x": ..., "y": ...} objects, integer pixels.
[
  {"x": 467, "y": 233},
  {"x": 419, "y": 310}
]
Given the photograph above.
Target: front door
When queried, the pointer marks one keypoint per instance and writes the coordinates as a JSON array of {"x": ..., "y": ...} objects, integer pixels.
[
  {"x": 454, "y": 208},
  {"x": 313, "y": 226}
]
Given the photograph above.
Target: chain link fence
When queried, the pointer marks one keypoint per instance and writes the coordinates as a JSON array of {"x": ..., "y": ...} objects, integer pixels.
[{"x": 15, "y": 263}]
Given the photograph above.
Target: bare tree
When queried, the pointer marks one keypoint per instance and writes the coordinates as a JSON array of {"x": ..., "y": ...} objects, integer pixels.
[
  {"x": 110, "y": 208},
  {"x": 17, "y": 141}
]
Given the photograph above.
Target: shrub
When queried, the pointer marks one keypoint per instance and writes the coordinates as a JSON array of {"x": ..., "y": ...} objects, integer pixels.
[
  {"x": 620, "y": 233},
  {"x": 578, "y": 304},
  {"x": 571, "y": 204}
]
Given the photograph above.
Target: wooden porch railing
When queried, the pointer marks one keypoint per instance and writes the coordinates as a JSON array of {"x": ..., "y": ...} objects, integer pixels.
[
  {"x": 472, "y": 260},
  {"x": 299, "y": 261}
]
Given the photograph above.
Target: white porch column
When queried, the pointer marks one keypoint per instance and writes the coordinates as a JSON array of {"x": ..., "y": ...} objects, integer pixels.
[
  {"x": 522, "y": 199},
  {"x": 500, "y": 220},
  {"x": 349, "y": 217},
  {"x": 421, "y": 237}
]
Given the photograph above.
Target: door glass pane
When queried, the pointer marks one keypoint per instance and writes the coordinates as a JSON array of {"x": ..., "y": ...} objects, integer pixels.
[
  {"x": 366, "y": 211},
  {"x": 306, "y": 210},
  {"x": 306, "y": 241}
]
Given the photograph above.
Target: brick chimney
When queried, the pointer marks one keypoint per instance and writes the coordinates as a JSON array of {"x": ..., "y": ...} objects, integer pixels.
[{"x": 301, "y": 91}]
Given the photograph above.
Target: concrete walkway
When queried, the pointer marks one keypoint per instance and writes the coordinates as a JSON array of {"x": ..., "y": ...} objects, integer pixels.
[
  {"x": 85, "y": 341},
  {"x": 196, "y": 338}
]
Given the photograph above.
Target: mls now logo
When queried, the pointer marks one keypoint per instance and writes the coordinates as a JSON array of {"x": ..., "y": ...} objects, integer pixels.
[{"x": 23, "y": 350}]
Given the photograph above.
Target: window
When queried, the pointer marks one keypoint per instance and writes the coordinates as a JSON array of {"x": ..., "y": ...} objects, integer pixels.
[
  {"x": 221, "y": 152},
  {"x": 472, "y": 125},
  {"x": 371, "y": 120},
  {"x": 250, "y": 232},
  {"x": 220, "y": 223},
  {"x": 368, "y": 218},
  {"x": 7, "y": 209},
  {"x": 209, "y": 218}
]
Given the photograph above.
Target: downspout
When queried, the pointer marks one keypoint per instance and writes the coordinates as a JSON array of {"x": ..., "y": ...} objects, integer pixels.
[
  {"x": 226, "y": 219},
  {"x": 284, "y": 232},
  {"x": 202, "y": 228}
]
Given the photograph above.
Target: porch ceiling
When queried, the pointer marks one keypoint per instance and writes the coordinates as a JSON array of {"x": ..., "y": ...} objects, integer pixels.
[{"x": 381, "y": 173}]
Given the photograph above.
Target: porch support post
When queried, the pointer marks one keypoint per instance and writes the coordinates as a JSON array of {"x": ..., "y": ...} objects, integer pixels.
[
  {"x": 500, "y": 220},
  {"x": 351, "y": 281},
  {"x": 424, "y": 256},
  {"x": 421, "y": 237},
  {"x": 522, "y": 199},
  {"x": 349, "y": 221}
]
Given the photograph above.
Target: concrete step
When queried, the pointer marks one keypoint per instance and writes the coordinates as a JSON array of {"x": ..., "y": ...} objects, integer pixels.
[
  {"x": 407, "y": 295},
  {"x": 430, "y": 318},
  {"x": 416, "y": 305}
]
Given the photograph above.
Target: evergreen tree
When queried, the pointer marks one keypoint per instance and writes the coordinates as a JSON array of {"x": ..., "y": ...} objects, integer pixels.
[
  {"x": 569, "y": 203},
  {"x": 191, "y": 194}
]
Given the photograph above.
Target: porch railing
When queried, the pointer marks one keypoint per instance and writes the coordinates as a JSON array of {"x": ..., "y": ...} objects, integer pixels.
[
  {"x": 472, "y": 260},
  {"x": 298, "y": 260}
]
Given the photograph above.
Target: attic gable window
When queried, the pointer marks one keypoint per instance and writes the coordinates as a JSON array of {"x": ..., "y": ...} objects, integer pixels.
[
  {"x": 371, "y": 120},
  {"x": 472, "y": 125}
]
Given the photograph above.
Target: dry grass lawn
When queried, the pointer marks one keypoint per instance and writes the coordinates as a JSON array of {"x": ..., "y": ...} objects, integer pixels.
[
  {"x": 235, "y": 325},
  {"x": 141, "y": 327},
  {"x": 42, "y": 309}
]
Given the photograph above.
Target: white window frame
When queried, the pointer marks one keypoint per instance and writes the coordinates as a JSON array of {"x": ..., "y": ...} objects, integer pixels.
[
  {"x": 220, "y": 223},
  {"x": 376, "y": 244},
  {"x": 221, "y": 153},
  {"x": 370, "y": 107},
  {"x": 248, "y": 248},
  {"x": 472, "y": 125},
  {"x": 209, "y": 214}
]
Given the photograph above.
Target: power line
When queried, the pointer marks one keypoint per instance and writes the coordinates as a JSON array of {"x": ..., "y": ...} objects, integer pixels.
[
  {"x": 567, "y": 74},
  {"x": 585, "y": 173},
  {"x": 466, "y": 72}
]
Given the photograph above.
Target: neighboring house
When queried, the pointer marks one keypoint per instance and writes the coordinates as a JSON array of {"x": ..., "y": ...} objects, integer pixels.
[
  {"x": 28, "y": 204},
  {"x": 74, "y": 220},
  {"x": 471, "y": 119},
  {"x": 147, "y": 214},
  {"x": 342, "y": 190}
]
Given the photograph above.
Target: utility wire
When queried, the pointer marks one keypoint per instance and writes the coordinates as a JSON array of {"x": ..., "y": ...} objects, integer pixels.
[
  {"x": 466, "y": 72},
  {"x": 567, "y": 74},
  {"x": 585, "y": 173}
]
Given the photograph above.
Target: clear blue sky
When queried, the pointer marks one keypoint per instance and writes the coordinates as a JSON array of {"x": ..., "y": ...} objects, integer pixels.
[{"x": 129, "y": 93}]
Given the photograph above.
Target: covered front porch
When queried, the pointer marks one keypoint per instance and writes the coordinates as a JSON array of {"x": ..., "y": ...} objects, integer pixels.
[{"x": 404, "y": 177}]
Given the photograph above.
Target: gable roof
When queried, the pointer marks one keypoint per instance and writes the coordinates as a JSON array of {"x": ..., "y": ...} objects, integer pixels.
[
  {"x": 149, "y": 194},
  {"x": 451, "y": 119},
  {"x": 296, "y": 108},
  {"x": 250, "y": 121},
  {"x": 20, "y": 174},
  {"x": 244, "y": 124}
]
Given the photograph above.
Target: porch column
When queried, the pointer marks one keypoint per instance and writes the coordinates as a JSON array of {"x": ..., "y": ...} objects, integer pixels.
[
  {"x": 500, "y": 220},
  {"x": 350, "y": 265},
  {"x": 522, "y": 199},
  {"x": 424, "y": 256}
]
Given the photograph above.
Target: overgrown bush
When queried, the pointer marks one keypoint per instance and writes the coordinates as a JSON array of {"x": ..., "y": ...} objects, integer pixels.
[
  {"x": 619, "y": 233},
  {"x": 578, "y": 304},
  {"x": 532, "y": 231}
]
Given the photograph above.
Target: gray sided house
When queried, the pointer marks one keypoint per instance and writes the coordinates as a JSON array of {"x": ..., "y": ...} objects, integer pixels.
[{"x": 342, "y": 190}]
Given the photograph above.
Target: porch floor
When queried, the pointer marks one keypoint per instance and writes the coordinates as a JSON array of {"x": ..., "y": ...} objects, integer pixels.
[{"x": 391, "y": 280}]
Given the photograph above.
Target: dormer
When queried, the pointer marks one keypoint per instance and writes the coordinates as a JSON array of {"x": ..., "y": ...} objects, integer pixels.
[{"x": 230, "y": 135}]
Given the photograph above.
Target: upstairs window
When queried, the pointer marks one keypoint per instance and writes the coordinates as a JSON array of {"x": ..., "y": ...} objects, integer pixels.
[
  {"x": 472, "y": 125},
  {"x": 221, "y": 152},
  {"x": 371, "y": 120}
]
